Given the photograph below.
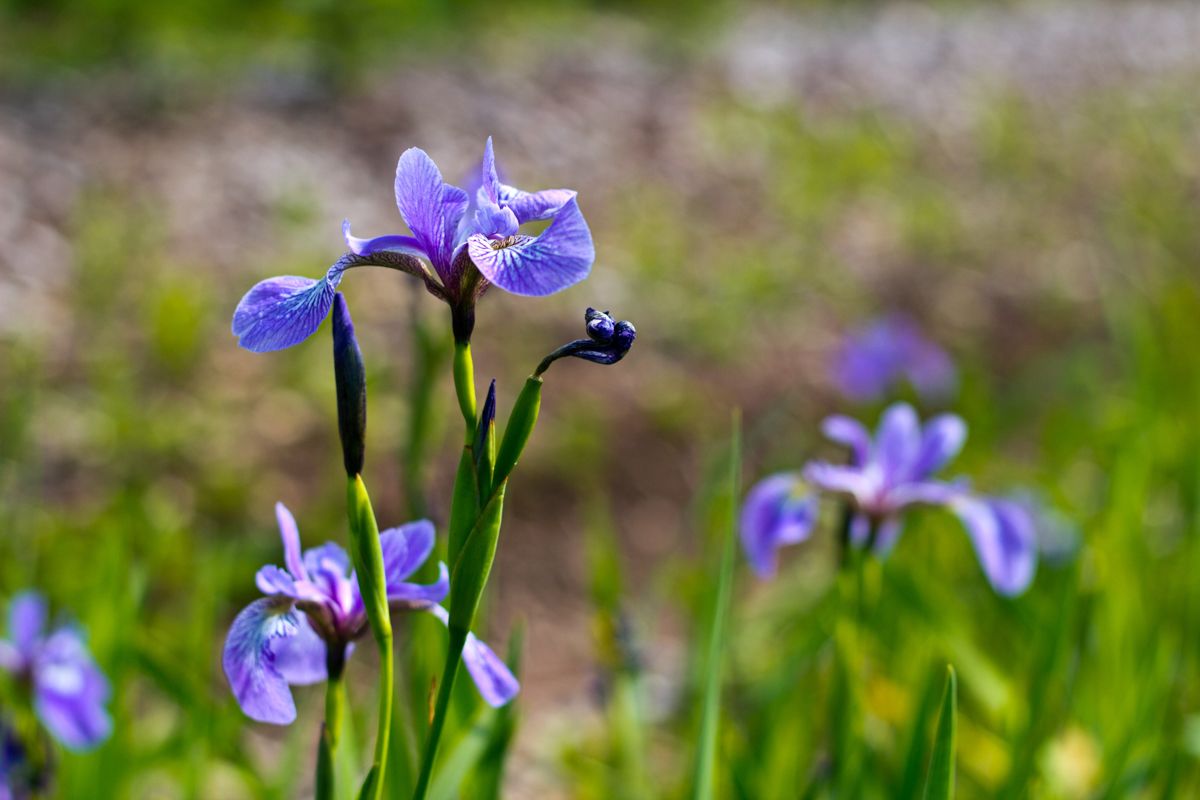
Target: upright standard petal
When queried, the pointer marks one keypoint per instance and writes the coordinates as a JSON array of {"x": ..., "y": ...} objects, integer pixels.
[
  {"x": 492, "y": 677},
  {"x": 561, "y": 257},
  {"x": 533, "y": 206},
  {"x": 851, "y": 433},
  {"x": 249, "y": 661},
  {"x": 70, "y": 692},
  {"x": 431, "y": 207},
  {"x": 941, "y": 440},
  {"x": 897, "y": 441},
  {"x": 1004, "y": 540},
  {"x": 406, "y": 548},
  {"x": 771, "y": 517},
  {"x": 26, "y": 621},
  {"x": 290, "y": 533}
]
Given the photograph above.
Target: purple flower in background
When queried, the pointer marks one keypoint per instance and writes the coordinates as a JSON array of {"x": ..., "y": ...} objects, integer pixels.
[
  {"x": 775, "y": 514},
  {"x": 894, "y": 470},
  {"x": 467, "y": 246},
  {"x": 873, "y": 360},
  {"x": 271, "y": 647},
  {"x": 68, "y": 689}
]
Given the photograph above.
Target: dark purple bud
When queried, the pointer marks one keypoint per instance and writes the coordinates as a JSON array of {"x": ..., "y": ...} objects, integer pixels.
[
  {"x": 487, "y": 418},
  {"x": 351, "y": 380},
  {"x": 607, "y": 343}
]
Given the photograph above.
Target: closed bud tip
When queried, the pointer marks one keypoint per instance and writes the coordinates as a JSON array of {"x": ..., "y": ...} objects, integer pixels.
[
  {"x": 350, "y": 378},
  {"x": 607, "y": 343}
]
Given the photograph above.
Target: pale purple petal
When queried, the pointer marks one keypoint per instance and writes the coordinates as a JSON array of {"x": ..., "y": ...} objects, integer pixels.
[
  {"x": 300, "y": 658},
  {"x": 561, "y": 257},
  {"x": 887, "y": 534},
  {"x": 406, "y": 548},
  {"x": 934, "y": 493},
  {"x": 860, "y": 529},
  {"x": 836, "y": 478},
  {"x": 290, "y": 533},
  {"x": 929, "y": 368},
  {"x": 26, "y": 621},
  {"x": 273, "y": 580},
  {"x": 431, "y": 207},
  {"x": 280, "y": 312},
  {"x": 941, "y": 440},
  {"x": 396, "y": 243},
  {"x": 317, "y": 558},
  {"x": 897, "y": 441},
  {"x": 533, "y": 206},
  {"x": 249, "y": 661},
  {"x": 772, "y": 516},
  {"x": 419, "y": 596},
  {"x": 851, "y": 433},
  {"x": 1004, "y": 540},
  {"x": 70, "y": 692},
  {"x": 489, "y": 183},
  {"x": 492, "y": 676}
]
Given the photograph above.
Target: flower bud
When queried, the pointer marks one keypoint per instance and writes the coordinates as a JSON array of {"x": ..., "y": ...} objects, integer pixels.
[
  {"x": 351, "y": 381},
  {"x": 607, "y": 343}
]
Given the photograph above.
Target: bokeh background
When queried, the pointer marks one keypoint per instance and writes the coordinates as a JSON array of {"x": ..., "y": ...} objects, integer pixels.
[{"x": 1022, "y": 179}]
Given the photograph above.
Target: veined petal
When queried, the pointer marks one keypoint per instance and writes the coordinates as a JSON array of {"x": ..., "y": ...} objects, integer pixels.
[
  {"x": 280, "y": 312},
  {"x": 941, "y": 440},
  {"x": 290, "y": 533},
  {"x": 26, "y": 621},
  {"x": 772, "y": 516},
  {"x": 273, "y": 580},
  {"x": 316, "y": 559},
  {"x": 70, "y": 692},
  {"x": 533, "y": 206},
  {"x": 431, "y": 207},
  {"x": 492, "y": 677},
  {"x": 851, "y": 433},
  {"x": 489, "y": 184},
  {"x": 1004, "y": 539},
  {"x": 300, "y": 658},
  {"x": 897, "y": 441},
  {"x": 405, "y": 549},
  {"x": 494, "y": 221},
  {"x": 395, "y": 243},
  {"x": 561, "y": 257},
  {"x": 419, "y": 596},
  {"x": 249, "y": 661}
]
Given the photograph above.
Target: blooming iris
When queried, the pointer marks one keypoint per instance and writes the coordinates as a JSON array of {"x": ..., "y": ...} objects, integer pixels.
[
  {"x": 68, "y": 689},
  {"x": 888, "y": 474},
  {"x": 468, "y": 243},
  {"x": 875, "y": 358},
  {"x": 270, "y": 646}
]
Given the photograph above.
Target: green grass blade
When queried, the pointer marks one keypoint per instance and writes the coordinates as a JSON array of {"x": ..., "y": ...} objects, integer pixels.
[
  {"x": 940, "y": 785},
  {"x": 705, "y": 776}
]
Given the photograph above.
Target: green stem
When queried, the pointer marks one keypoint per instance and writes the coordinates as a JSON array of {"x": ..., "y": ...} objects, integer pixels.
[
  {"x": 464, "y": 386},
  {"x": 368, "y": 563},
  {"x": 331, "y": 730},
  {"x": 454, "y": 648}
]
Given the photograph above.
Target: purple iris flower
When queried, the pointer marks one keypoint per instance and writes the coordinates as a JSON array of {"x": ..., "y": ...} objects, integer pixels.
[
  {"x": 873, "y": 360},
  {"x": 776, "y": 513},
  {"x": 271, "y": 647},
  {"x": 467, "y": 246},
  {"x": 895, "y": 470},
  {"x": 69, "y": 691}
]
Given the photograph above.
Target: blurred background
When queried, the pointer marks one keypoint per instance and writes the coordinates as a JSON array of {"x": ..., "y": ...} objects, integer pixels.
[{"x": 1020, "y": 179}]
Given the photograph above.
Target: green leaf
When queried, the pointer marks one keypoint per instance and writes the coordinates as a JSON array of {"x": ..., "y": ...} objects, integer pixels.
[
  {"x": 469, "y": 575},
  {"x": 705, "y": 776},
  {"x": 519, "y": 428},
  {"x": 940, "y": 785},
  {"x": 464, "y": 504}
]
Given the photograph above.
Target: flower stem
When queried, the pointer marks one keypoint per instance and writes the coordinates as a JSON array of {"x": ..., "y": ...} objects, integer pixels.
[
  {"x": 335, "y": 704},
  {"x": 368, "y": 564},
  {"x": 458, "y": 638},
  {"x": 464, "y": 386}
]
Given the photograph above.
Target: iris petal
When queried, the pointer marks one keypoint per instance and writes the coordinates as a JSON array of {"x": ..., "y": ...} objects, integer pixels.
[
  {"x": 941, "y": 440},
  {"x": 431, "y": 207},
  {"x": 492, "y": 677},
  {"x": 533, "y": 206},
  {"x": 773, "y": 516},
  {"x": 405, "y": 549},
  {"x": 280, "y": 312},
  {"x": 396, "y": 243},
  {"x": 300, "y": 658},
  {"x": 538, "y": 266},
  {"x": 70, "y": 692},
  {"x": 26, "y": 621},
  {"x": 290, "y": 533},
  {"x": 1004, "y": 539},
  {"x": 249, "y": 661},
  {"x": 851, "y": 433},
  {"x": 420, "y": 596}
]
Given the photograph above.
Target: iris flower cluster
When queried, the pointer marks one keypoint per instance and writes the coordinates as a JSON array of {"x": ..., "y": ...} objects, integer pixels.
[{"x": 888, "y": 474}]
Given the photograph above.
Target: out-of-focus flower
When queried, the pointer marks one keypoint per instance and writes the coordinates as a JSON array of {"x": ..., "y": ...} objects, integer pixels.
[
  {"x": 271, "y": 647},
  {"x": 776, "y": 513},
  {"x": 458, "y": 254},
  {"x": 895, "y": 469},
  {"x": 69, "y": 691},
  {"x": 607, "y": 343},
  {"x": 874, "y": 359},
  {"x": 1058, "y": 537}
]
